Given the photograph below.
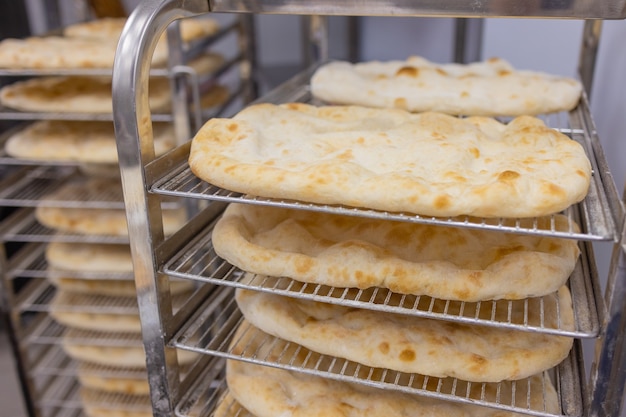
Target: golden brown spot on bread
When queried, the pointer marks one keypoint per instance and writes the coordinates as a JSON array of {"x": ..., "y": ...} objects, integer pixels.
[
  {"x": 478, "y": 362},
  {"x": 502, "y": 252},
  {"x": 442, "y": 202},
  {"x": 554, "y": 189},
  {"x": 303, "y": 265},
  {"x": 493, "y": 60},
  {"x": 462, "y": 294},
  {"x": 360, "y": 140},
  {"x": 553, "y": 247},
  {"x": 441, "y": 72},
  {"x": 581, "y": 173},
  {"x": 475, "y": 152},
  {"x": 504, "y": 73},
  {"x": 293, "y": 106},
  {"x": 508, "y": 175},
  {"x": 384, "y": 347},
  {"x": 407, "y": 355},
  {"x": 408, "y": 72},
  {"x": 232, "y": 127},
  {"x": 346, "y": 155},
  {"x": 475, "y": 277},
  {"x": 400, "y": 103},
  {"x": 464, "y": 94}
]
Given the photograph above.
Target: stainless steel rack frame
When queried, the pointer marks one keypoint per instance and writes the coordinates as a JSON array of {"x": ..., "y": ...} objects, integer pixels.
[
  {"x": 25, "y": 294},
  {"x": 142, "y": 173}
]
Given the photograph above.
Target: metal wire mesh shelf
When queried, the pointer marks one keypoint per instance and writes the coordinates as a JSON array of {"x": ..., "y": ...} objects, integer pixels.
[
  {"x": 31, "y": 262},
  {"x": 47, "y": 331},
  {"x": 198, "y": 261},
  {"x": 211, "y": 331},
  {"x": 597, "y": 208},
  {"x": 32, "y": 186},
  {"x": 22, "y": 226}
]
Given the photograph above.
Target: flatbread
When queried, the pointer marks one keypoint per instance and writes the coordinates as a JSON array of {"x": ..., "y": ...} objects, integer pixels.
[
  {"x": 102, "y": 313},
  {"x": 51, "y": 52},
  {"x": 96, "y": 221},
  {"x": 78, "y": 141},
  {"x": 96, "y": 404},
  {"x": 89, "y": 257},
  {"x": 388, "y": 159},
  {"x": 111, "y": 28},
  {"x": 490, "y": 88},
  {"x": 75, "y": 94},
  {"x": 130, "y": 386},
  {"x": 267, "y": 392},
  {"x": 347, "y": 251},
  {"x": 112, "y": 355},
  {"x": 92, "y": 44},
  {"x": 100, "y": 221},
  {"x": 413, "y": 344},
  {"x": 107, "y": 287},
  {"x": 74, "y": 316}
]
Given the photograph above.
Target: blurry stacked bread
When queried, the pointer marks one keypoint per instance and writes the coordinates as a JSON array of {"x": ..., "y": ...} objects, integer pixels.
[
  {"x": 95, "y": 295},
  {"x": 392, "y": 141},
  {"x": 88, "y": 258}
]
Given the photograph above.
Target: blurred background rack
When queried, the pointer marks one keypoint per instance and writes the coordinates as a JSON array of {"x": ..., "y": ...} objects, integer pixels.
[{"x": 46, "y": 376}]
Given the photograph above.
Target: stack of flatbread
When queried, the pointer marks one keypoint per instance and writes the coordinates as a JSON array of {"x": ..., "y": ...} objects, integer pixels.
[
  {"x": 88, "y": 45},
  {"x": 265, "y": 391},
  {"x": 389, "y": 139},
  {"x": 95, "y": 283}
]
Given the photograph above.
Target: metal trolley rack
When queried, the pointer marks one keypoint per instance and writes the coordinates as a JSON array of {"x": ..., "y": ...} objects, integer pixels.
[
  {"x": 47, "y": 375},
  {"x": 205, "y": 324}
]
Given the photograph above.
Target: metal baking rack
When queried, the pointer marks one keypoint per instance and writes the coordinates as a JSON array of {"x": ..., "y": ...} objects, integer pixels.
[
  {"x": 597, "y": 208},
  {"x": 601, "y": 216},
  {"x": 212, "y": 331},
  {"x": 197, "y": 260}
]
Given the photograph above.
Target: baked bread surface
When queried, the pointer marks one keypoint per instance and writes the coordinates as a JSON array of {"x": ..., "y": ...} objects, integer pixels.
[
  {"x": 267, "y": 392},
  {"x": 489, "y": 88},
  {"x": 388, "y": 159},
  {"x": 413, "y": 344},
  {"x": 352, "y": 252}
]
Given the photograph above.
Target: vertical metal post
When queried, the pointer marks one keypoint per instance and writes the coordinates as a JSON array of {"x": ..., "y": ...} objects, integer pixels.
[
  {"x": 354, "y": 38},
  {"x": 11, "y": 321},
  {"x": 249, "y": 68},
  {"x": 588, "y": 53},
  {"x": 608, "y": 373},
  {"x": 468, "y": 40},
  {"x": 133, "y": 130},
  {"x": 314, "y": 39}
]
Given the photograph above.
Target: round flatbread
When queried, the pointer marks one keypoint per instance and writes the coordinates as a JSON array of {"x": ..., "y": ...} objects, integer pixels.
[
  {"x": 489, "y": 88},
  {"x": 430, "y": 164},
  {"x": 89, "y": 142},
  {"x": 414, "y": 344},
  {"x": 108, "y": 287},
  {"x": 267, "y": 392},
  {"x": 75, "y": 94},
  {"x": 89, "y": 257},
  {"x": 347, "y": 251}
]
